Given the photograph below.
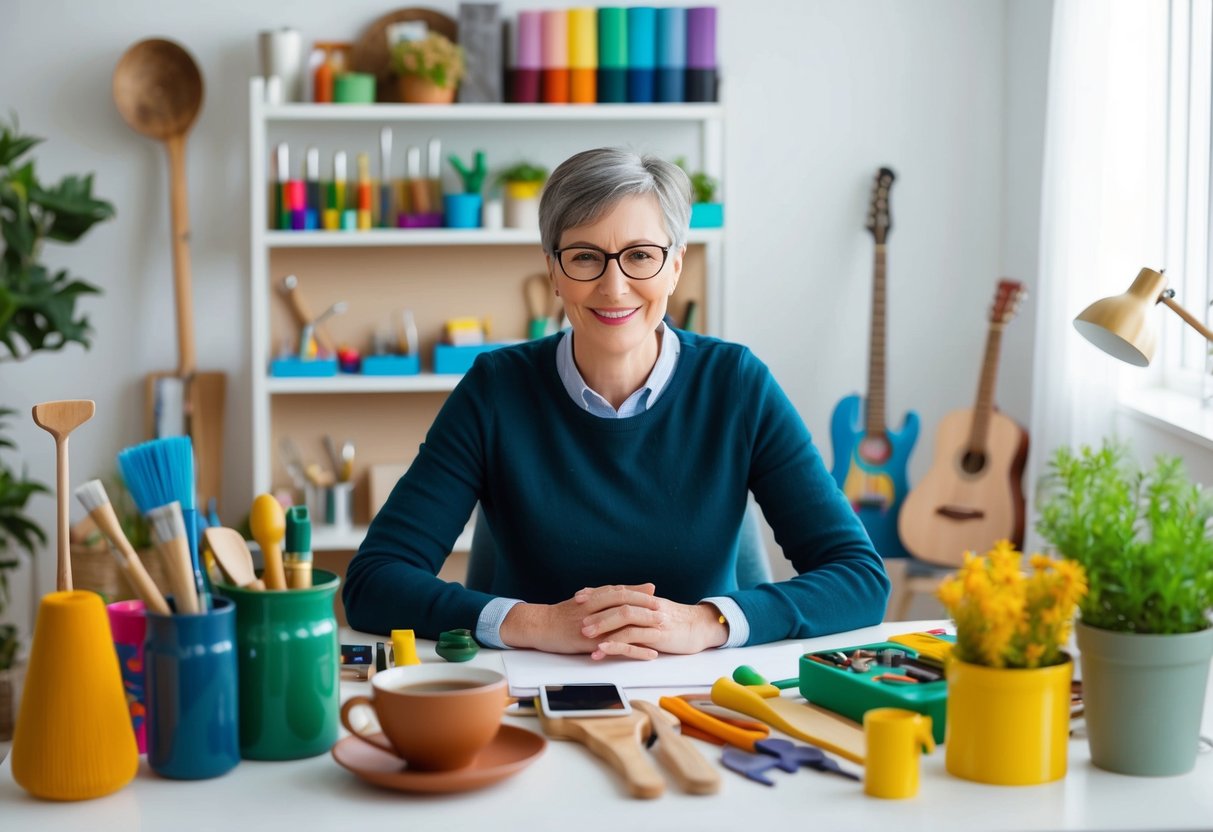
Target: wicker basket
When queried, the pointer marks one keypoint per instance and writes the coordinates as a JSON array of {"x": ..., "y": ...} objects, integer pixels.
[{"x": 94, "y": 567}]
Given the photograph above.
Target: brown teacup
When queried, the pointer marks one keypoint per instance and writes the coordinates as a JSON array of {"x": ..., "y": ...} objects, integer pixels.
[{"x": 436, "y": 717}]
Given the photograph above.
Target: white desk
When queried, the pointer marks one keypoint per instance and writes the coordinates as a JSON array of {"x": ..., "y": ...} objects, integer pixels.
[{"x": 569, "y": 790}]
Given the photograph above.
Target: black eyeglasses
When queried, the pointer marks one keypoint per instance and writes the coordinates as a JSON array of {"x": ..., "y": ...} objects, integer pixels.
[{"x": 637, "y": 262}]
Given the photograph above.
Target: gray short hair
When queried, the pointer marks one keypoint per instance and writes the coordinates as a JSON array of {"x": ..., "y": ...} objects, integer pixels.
[{"x": 587, "y": 185}]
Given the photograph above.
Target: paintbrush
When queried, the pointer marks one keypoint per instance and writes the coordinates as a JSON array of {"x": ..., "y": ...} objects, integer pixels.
[
  {"x": 157, "y": 473},
  {"x": 97, "y": 503},
  {"x": 169, "y": 527}
]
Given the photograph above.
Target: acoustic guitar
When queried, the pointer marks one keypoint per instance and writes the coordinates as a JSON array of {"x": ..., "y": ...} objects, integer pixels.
[
  {"x": 869, "y": 459},
  {"x": 972, "y": 495}
]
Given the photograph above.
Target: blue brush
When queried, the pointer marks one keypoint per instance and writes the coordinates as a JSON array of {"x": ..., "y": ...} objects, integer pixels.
[{"x": 159, "y": 472}]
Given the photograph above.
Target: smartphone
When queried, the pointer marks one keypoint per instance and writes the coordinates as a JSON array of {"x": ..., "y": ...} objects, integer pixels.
[{"x": 596, "y": 699}]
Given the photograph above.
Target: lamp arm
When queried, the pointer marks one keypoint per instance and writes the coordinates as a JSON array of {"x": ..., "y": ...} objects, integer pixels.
[{"x": 1188, "y": 317}]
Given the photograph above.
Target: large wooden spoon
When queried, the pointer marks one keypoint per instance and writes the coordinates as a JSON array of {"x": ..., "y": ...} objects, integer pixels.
[
  {"x": 59, "y": 419},
  {"x": 158, "y": 91},
  {"x": 233, "y": 557}
]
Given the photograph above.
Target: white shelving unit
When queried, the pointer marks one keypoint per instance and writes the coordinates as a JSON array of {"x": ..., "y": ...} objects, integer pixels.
[{"x": 707, "y": 120}]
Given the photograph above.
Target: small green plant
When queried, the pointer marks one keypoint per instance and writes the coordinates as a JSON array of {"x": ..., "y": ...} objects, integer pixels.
[
  {"x": 523, "y": 172},
  {"x": 703, "y": 187},
  {"x": 433, "y": 57},
  {"x": 1142, "y": 536},
  {"x": 472, "y": 178}
]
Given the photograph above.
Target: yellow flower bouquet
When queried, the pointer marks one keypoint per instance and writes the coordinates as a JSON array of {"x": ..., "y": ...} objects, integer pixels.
[{"x": 1005, "y": 618}]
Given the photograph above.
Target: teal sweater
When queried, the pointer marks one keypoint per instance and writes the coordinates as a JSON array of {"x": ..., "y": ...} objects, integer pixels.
[{"x": 574, "y": 500}]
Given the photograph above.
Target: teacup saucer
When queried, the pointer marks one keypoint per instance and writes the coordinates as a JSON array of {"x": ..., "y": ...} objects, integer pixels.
[{"x": 512, "y": 750}]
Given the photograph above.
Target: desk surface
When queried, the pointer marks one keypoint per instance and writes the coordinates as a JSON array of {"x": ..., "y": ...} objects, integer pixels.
[{"x": 568, "y": 786}]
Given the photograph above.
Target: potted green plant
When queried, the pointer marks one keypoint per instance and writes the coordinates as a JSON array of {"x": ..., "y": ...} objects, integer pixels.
[
  {"x": 1145, "y": 639},
  {"x": 429, "y": 68},
  {"x": 706, "y": 212},
  {"x": 462, "y": 210},
  {"x": 37, "y": 313},
  {"x": 522, "y": 184}
]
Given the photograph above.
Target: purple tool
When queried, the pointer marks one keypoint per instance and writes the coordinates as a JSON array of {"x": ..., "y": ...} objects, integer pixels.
[{"x": 781, "y": 754}]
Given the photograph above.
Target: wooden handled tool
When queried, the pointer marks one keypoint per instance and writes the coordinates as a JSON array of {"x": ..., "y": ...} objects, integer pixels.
[
  {"x": 617, "y": 741},
  {"x": 694, "y": 773},
  {"x": 59, "y": 419},
  {"x": 303, "y": 314},
  {"x": 233, "y": 557},
  {"x": 796, "y": 718}
]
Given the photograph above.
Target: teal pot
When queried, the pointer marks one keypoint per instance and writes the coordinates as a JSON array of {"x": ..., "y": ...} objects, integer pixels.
[{"x": 1143, "y": 697}]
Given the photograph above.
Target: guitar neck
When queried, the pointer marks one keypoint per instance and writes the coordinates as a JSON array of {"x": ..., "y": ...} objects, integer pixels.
[
  {"x": 875, "y": 422},
  {"x": 979, "y": 432}
]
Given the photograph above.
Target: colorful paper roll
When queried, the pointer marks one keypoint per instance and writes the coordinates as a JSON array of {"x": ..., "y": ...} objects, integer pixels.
[
  {"x": 554, "y": 34},
  {"x": 612, "y": 55},
  {"x": 642, "y": 53},
  {"x": 671, "y": 54},
  {"x": 701, "y": 54},
  {"x": 583, "y": 55}
]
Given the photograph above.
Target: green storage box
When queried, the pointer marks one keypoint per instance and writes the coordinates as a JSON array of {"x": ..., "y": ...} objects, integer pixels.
[{"x": 852, "y": 694}]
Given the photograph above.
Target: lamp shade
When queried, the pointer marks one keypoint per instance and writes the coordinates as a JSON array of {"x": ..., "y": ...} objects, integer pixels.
[{"x": 1121, "y": 325}]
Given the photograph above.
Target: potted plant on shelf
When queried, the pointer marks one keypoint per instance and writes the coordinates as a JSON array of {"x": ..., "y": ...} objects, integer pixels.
[
  {"x": 37, "y": 313},
  {"x": 1144, "y": 636},
  {"x": 429, "y": 69},
  {"x": 463, "y": 210},
  {"x": 706, "y": 212},
  {"x": 522, "y": 184},
  {"x": 1008, "y": 677}
]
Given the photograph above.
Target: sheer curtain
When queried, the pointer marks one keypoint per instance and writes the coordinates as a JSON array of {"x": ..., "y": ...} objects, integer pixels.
[{"x": 1102, "y": 211}]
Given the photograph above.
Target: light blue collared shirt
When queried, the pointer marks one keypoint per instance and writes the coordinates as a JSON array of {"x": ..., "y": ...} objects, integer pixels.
[{"x": 488, "y": 625}]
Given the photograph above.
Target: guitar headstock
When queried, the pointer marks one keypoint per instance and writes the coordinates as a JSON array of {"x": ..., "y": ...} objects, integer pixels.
[
  {"x": 1007, "y": 297},
  {"x": 880, "y": 218}
]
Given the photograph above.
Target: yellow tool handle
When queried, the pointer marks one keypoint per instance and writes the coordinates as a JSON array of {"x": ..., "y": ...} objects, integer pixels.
[{"x": 728, "y": 693}]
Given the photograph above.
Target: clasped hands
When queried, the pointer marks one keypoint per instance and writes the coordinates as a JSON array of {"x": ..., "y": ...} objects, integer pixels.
[{"x": 628, "y": 621}]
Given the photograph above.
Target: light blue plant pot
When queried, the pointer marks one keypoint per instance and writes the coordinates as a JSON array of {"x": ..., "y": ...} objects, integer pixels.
[
  {"x": 707, "y": 215},
  {"x": 462, "y": 210}
]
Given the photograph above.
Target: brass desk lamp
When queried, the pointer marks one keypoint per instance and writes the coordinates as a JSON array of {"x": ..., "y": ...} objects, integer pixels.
[{"x": 1122, "y": 325}]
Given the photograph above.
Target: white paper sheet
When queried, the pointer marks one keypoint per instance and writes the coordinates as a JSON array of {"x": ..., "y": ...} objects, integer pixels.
[{"x": 528, "y": 669}]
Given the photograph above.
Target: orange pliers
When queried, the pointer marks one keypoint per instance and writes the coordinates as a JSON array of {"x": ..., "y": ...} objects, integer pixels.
[{"x": 740, "y": 733}]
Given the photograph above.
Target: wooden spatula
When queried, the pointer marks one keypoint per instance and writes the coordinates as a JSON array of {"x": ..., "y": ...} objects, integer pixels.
[
  {"x": 59, "y": 419},
  {"x": 695, "y": 775},
  {"x": 233, "y": 557},
  {"x": 795, "y": 717},
  {"x": 615, "y": 739}
]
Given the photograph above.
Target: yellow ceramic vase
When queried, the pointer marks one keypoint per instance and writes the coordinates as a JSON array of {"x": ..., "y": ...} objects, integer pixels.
[
  {"x": 1008, "y": 726},
  {"x": 74, "y": 738}
]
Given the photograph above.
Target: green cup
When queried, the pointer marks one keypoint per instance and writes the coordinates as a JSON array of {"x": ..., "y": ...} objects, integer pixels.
[{"x": 289, "y": 656}]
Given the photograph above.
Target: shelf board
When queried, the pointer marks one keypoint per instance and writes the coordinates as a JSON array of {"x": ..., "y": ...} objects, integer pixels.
[
  {"x": 329, "y": 539},
  {"x": 353, "y": 383},
  {"x": 429, "y": 237},
  {"x": 492, "y": 112}
]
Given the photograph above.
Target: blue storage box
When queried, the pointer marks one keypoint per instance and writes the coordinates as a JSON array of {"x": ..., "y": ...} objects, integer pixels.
[
  {"x": 391, "y": 365},
  {"x": 449, "y": 359},
  {"x": 295, "y": 367},
  {"x": 707, "y": 215}
]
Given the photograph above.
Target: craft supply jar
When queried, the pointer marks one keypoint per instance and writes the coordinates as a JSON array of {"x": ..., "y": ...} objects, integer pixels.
[
  {"x": 289, "y": 660},
  {"x": 192, "y": 710}
]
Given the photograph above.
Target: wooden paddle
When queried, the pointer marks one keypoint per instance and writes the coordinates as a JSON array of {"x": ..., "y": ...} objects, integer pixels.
[
  {"x": 158, "y": 90},
  {"x": 233, "y": 556},
  {"x": 59, "y": 419},
  {"x": 695, "y": 775},
  {"x": 796, "y": 718},
  {"x": 616, "y": 740}
]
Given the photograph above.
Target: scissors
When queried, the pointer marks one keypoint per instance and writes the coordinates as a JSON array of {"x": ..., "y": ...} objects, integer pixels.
[{"x": 696, "y": 723}]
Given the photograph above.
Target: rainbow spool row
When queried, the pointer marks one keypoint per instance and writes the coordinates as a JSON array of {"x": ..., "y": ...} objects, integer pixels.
[{"x": 613, "y": 55}]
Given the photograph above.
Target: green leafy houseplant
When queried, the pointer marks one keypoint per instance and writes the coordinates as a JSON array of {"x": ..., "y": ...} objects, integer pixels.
[
  {"x": 1141, "y": 535},
  {"x": 703, "y": 187},
  {"x": 433, "y": 57},
  {"x": 523, "y": 172},
  {"x": 37, "y": 313}
]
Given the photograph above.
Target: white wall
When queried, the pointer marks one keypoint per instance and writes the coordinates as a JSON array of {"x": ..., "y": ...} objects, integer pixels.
[{"x": 820, "y": 94}]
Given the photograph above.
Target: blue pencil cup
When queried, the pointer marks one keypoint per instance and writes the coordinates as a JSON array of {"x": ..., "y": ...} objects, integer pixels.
[
  {"x": 462, "y": 210},
  {"x": 193, "y": 726}
]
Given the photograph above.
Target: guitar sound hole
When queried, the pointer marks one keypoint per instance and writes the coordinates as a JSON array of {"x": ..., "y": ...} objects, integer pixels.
[
  {"x": 972, "y": 462},
  {"x": 875, "y": 450}
]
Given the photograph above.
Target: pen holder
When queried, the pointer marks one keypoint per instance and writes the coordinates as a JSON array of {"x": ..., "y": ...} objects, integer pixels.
[
  {"x": 192, "y": 719},
  {"x": 339, "y": 504},
  {"x": 289, "y": 657},
  {"x": 128, "y": 623}
]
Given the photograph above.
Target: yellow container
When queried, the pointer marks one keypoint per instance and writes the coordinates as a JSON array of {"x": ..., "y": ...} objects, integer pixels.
[
  {"x": 523, "y": 190},
  {"x": 895, "y": 739},
  {"x": 74, "y": 738},
  {"x": 1008, "y": 726}
]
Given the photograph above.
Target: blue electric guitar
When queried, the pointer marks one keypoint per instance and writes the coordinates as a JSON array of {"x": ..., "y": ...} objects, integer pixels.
[{"x": 869, "y": 459}]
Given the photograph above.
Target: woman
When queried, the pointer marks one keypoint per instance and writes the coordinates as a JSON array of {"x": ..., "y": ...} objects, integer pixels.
[{"x": 613, "y": 462}]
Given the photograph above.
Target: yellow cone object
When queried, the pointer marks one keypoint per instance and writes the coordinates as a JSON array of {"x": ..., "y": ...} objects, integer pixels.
[
  {"x": 404, "y": 648},
  {"x": 74, "y": 739}
]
